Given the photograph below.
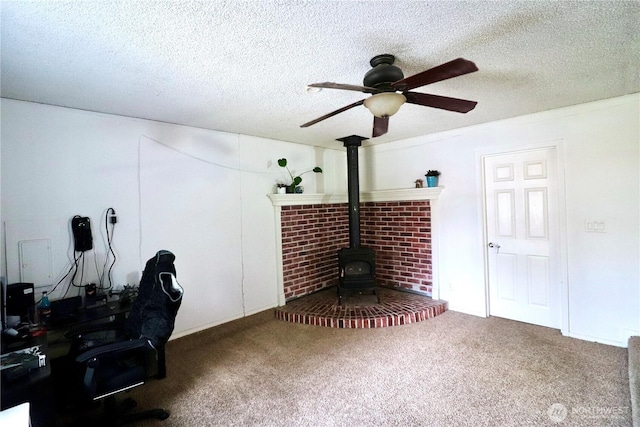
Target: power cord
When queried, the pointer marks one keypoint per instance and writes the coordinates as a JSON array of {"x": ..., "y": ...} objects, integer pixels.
[
  {"x": 109, "y": 219},
  {"x": 78, "y": 259}
]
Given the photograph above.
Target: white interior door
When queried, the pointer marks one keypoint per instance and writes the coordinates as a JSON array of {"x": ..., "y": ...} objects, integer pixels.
[{"x": 522, "y": 224}]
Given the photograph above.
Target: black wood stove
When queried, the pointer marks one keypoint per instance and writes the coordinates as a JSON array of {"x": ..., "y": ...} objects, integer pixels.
[{"x": 356, "y": 264}]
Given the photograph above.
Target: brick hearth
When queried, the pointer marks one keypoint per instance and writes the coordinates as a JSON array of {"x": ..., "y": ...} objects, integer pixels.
[{"x": 361, "y": 311}]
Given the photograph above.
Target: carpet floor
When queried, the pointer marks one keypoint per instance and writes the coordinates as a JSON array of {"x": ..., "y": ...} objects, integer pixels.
[
  {"x": 452, "y": 370},
  {"x": 634, "y": 378}
]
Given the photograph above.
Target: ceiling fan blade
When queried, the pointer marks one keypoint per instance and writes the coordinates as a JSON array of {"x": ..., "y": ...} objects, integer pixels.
[
  {"x": 333, "y": 113},
  {"x": 329, "y": 85},
  {"x": 380, "y": 125},
  {"x": 442, "y": 102},
  {"x": 455, "y": 68}
]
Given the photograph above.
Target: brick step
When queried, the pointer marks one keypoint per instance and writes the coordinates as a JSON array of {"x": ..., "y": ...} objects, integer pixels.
[{"x": 360, "y": 311}]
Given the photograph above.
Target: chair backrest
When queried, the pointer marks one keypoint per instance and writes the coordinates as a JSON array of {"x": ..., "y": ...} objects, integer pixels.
[{"x": 154, "y": 310}]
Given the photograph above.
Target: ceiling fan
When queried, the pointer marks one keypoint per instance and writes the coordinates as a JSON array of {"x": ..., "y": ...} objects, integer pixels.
[{"x": 390, "y": 89}]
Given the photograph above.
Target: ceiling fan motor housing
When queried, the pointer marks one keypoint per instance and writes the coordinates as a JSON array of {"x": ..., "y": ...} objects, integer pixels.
[{"x": 383, "y": 73}]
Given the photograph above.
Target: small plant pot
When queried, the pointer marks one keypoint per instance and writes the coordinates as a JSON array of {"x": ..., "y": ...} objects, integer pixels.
[
  {"x": 432, "y": 181},
  {"x": 297, "y": 190}
]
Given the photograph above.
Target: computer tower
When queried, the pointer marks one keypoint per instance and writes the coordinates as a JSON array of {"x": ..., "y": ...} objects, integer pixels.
[{"x": 20, "y": 297}]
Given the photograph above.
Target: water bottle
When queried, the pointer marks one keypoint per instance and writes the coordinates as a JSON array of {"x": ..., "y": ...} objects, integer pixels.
[{"x": 45, "y": 309}]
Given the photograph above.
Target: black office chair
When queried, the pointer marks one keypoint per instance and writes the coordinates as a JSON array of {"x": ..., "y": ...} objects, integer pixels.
[{"x": 117, "y": 357}]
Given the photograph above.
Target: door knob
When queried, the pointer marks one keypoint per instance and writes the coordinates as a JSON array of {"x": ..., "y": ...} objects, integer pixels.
[{"x": 494, "y": 245}]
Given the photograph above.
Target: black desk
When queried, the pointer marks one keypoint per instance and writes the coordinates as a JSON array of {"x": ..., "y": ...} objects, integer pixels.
[
  {"x": 98, "y": 313},
  {"x": 59, "y": 345},
  {"x": 34, "y": 387},
  {"x": 40, "y": 385},
  {"x": 34, "y": 375}
]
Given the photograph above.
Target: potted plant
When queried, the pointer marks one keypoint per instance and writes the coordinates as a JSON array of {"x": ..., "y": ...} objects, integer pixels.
[
  {"x": 282, "y": 188},
  {"x": 295, "y": 180},
  {"x": 432, "y": 178}
]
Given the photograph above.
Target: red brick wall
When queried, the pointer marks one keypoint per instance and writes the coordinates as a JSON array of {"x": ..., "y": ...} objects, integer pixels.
[
  {"x": 311, "y": 237},
  {"x": 399, "y": 233}
]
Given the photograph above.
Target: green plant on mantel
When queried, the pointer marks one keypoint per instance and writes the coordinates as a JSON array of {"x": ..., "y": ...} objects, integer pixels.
[
  {"x": 295, "y": 180},
  {"x": 432, "y": 173}
]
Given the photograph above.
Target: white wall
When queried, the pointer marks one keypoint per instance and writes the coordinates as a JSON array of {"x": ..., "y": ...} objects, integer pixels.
[
  {"x": 198, "y": 193},
  {"x": 202, "y": 194},
  {"x": 600, "y": 147}
]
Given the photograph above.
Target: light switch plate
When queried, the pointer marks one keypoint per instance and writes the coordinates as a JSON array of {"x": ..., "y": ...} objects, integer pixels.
[{"x": 595, "y": 226}]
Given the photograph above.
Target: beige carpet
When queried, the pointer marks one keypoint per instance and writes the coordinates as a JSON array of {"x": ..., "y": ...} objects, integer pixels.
[
  {"x": 634, "y": 378},
  {"x": 453, "y": 370}
]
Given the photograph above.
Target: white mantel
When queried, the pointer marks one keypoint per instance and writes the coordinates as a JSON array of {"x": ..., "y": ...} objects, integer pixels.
[{"x": 404, "y": 194}]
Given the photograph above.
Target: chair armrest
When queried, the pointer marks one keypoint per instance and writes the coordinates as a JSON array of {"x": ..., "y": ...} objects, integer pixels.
[
  {"x": 110, "y": 350},
  {"x": 118, "y": 366}
]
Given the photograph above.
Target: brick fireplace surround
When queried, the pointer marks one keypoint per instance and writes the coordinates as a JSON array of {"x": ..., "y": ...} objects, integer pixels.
[{"x": 399, "y": 225}]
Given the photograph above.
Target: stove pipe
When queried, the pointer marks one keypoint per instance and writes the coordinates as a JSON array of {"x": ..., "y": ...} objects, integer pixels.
[{"x": 353, "y": 185}]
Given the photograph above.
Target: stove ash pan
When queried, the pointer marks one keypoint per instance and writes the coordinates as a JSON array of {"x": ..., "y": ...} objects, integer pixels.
[{"x": 357, "y": 270}]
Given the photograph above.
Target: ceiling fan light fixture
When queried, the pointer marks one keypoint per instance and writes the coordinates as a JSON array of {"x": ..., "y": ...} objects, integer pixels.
[{"x": 385, "y": 104}]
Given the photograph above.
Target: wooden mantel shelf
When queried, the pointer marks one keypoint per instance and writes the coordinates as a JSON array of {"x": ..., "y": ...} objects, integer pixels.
[{"x": 429, "y": 193}]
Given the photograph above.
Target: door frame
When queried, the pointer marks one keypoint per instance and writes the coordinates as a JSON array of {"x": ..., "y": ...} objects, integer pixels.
[{"x": 558, "y": 145}]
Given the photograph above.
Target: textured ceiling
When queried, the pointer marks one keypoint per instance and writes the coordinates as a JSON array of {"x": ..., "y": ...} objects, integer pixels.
[{"x": 242, "y": 67}]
